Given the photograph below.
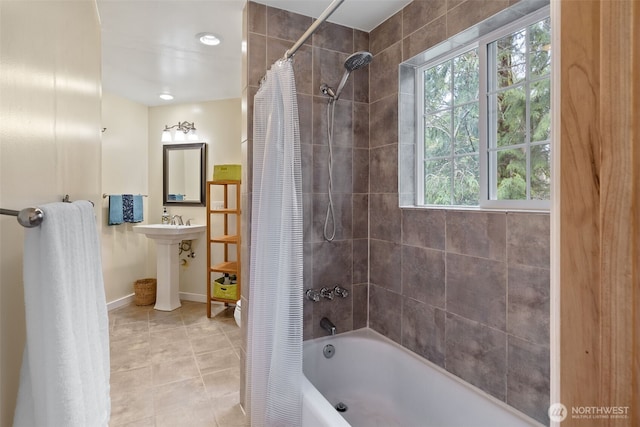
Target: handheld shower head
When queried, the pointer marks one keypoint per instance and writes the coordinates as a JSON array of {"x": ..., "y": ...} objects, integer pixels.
[
  {"x": 357, "y": 60},
  {"x": 353, "y": 62}
]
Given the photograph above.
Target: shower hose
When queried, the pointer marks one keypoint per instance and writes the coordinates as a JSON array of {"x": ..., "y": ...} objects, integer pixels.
[{"x": 330, "y": 215}]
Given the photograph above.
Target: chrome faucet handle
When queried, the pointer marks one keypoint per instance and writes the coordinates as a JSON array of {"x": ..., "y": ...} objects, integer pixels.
[
  {"x": 326, "y": 293},
  {"x": 340, "y": 291},
  {"x": 189, "y": 221},
  {"x": 313, "y": 295}
]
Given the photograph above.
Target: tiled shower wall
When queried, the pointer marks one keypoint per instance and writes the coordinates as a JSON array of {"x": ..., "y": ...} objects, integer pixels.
[
  {"x": 467, "y": 290},
  {"x": 269, "y": 32},
  {"x": 470, "y": 292}
]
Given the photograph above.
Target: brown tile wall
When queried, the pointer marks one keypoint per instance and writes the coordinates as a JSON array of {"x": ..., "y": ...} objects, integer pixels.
[
  {"x": 467, "y": 290},
  {"x": 269, "y": 33}
]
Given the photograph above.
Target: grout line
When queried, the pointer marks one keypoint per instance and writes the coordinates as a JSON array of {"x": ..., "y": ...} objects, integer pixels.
[{"x": 221, "y": 330}]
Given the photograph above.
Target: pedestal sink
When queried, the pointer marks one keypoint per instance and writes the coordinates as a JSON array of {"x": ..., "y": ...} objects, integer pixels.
[{"x": 168, "y": 238}]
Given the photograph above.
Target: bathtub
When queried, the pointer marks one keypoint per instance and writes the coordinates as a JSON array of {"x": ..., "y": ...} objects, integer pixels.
[{"x": 385, "y": 385}]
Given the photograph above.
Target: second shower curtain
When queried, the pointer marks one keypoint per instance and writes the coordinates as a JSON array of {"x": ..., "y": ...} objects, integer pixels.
[{"x": 274, "y": 347}]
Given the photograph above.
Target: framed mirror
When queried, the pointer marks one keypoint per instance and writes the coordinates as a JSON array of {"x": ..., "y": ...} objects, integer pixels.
[{"x": 184, "y": 168}]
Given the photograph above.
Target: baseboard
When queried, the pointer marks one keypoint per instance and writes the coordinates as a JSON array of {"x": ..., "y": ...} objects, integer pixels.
[
  {"x": 188, "y": 296},
  {"x": 120, "y": 302},
  {"x": 185, "y": 296}
]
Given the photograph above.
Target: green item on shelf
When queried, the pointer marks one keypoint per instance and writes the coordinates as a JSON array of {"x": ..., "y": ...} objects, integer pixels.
[
  {"x": 224, "y": 290},
  {"x": 227, "y": 172}
]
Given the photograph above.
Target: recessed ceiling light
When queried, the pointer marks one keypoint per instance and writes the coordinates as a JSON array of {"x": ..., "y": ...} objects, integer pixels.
[
  {"x": 166, "y": 96},
  {"x": 209, "y": 39}
]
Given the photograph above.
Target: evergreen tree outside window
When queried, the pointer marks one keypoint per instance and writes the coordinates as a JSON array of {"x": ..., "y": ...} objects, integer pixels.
[
  {"x": 451, "y": 150},
  {"x": 486, "y": 121}
]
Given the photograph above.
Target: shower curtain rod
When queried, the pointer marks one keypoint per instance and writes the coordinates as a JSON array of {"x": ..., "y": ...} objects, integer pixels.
[{"x": 323, "y": 17}]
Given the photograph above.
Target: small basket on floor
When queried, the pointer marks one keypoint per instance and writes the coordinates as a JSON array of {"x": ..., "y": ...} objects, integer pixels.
[{"x": 145, "y": 291}]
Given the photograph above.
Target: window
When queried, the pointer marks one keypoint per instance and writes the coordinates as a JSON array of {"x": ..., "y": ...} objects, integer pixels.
[
  {"x": 451, "y": 168},
  {"x": 483, "y": 121}
]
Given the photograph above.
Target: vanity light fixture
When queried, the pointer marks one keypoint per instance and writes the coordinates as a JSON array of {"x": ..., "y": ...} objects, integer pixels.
[
  {"x": 179, "y": 137},
  {"x": 209, "y": 39},
  {"x": 183, "y": 131}
]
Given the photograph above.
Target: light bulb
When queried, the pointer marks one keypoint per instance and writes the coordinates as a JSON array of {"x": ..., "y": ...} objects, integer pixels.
[
  {"x": 166, "y": 136},
  {"x": 209, "y": 39},
  {"x": 179, "y": 136}
]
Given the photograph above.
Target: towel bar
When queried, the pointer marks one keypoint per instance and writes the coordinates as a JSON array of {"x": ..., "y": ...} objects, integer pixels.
[
  {"x": 27, "y": 217},
  {"x": 31, "y": 217},
  {"x": 105, "y": 195}
]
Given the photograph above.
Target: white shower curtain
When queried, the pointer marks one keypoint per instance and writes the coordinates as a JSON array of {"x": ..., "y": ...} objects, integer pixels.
[{"x": 274, "y": 348}]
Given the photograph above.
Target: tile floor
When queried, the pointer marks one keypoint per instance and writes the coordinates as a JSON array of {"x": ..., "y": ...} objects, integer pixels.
[{"x": 175, "y": 368}]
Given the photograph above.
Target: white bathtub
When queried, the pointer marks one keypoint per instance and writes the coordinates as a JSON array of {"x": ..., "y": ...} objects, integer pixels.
[{"x": 385, "y": 385}]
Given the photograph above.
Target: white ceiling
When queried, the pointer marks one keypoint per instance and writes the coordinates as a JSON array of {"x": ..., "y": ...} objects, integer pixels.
[{"x": 149, "y": 47}]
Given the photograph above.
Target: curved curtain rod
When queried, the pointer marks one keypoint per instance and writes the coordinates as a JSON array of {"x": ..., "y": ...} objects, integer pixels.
[{"x": 323, "y": 17}]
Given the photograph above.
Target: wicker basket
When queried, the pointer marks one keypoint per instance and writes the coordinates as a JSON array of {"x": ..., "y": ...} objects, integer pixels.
[{"x": 145, "y": 290}]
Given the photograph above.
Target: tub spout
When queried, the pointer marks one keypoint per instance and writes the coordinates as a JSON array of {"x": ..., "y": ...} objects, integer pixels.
[{"x": 328, "y": 326}]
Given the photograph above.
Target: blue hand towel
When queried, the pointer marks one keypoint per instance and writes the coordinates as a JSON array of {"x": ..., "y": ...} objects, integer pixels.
[
  {"x": 138, "y": 215},
  {"x": 115, "y": 210},
  {"x": 127, "y": 207}
]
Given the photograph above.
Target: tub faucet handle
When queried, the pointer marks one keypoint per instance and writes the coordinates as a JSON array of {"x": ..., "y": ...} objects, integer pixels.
[
  {"x": 313, "y": 295},
  {"x": 326, "y": 293},
  {"x": 340, "y": 291}
]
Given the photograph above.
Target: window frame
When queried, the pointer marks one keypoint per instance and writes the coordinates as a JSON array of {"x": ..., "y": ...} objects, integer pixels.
[
  {"x": 420, "y": 108},
  {"x": 481, "y": 43}
]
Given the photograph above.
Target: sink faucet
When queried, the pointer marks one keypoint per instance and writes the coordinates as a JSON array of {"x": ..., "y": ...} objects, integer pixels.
[
  {"x": 178, "y": 221},
  {"x": 328, "y": 326}
]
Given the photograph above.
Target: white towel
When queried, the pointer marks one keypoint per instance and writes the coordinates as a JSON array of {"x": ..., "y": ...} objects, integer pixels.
[{"x": 64, "y": 380}]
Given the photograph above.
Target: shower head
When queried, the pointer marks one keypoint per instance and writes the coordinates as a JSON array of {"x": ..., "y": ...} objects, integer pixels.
[
  {"x": 357, "y": 60},
  {"x": 353, "y": 62}
]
